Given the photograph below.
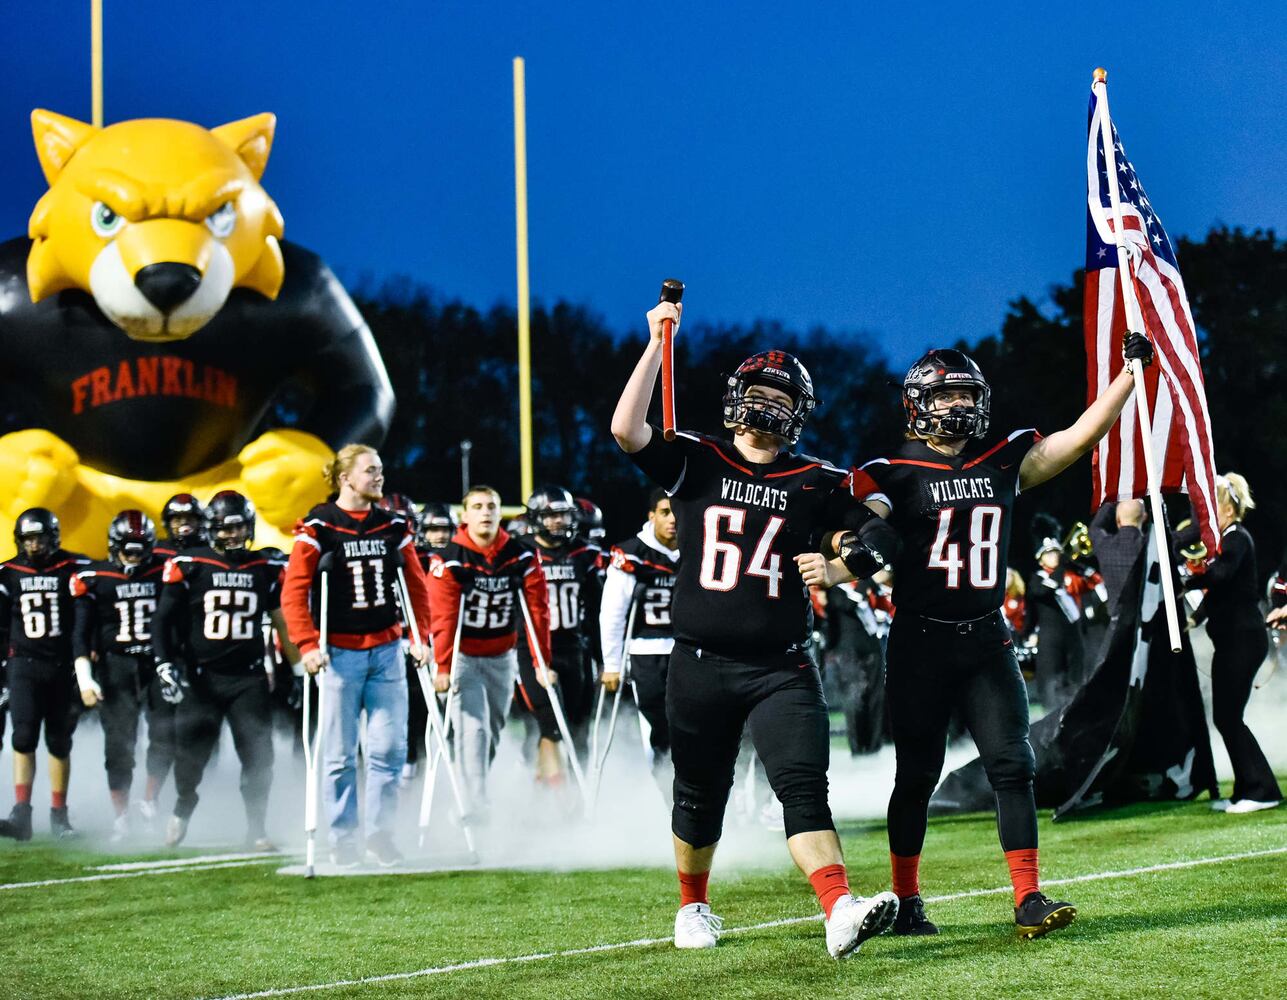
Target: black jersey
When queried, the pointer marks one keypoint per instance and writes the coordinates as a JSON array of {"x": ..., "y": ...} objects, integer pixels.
[
  {"x": 35, "y": 606},
  {"x": 954, "y": 516},
  {"x": 114, "y": 605},
  {"x": 738, "y": 591},
  {"x": 653, "y": 577},
  {"x": 224, "y": 598},
  {"x": 574, "y": 576}
]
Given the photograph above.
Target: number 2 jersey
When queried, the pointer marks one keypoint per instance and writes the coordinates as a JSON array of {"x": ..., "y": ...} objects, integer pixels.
[
  {"x": 114, "y": 606},
  {"x": 36, "y": 607},
  {"x": 637, "y": 598},
  {"x": 954, "y": 515},
  {"x": 223, "y": 599},
  {"x": 738, "y": 591}
]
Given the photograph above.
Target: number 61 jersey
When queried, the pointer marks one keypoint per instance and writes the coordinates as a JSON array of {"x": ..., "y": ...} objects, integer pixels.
[
  {"x": 738, "y": 591},
  {"x": 223, "y": 598},
  {"x": 36, "y": 606},
  {"x": 954, "y": 516}
]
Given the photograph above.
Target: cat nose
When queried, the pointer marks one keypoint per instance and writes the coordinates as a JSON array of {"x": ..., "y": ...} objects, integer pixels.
[{"x": 168, "y": 285}]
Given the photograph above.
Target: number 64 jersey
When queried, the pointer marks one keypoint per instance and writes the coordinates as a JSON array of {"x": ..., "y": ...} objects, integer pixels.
[
  {"x": 222, "y": 599},
  {"x": 954, "y": 516}
]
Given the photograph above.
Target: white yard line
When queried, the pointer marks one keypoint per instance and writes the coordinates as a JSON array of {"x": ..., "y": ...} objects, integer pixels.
[
  {"x": 202, "y": 859},
  {"x": 110, "y": 876},
  {"x": 482, "y": 963}
]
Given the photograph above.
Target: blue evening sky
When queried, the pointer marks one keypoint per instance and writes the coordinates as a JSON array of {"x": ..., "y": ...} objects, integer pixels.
[{"x": 901, "y": 170}]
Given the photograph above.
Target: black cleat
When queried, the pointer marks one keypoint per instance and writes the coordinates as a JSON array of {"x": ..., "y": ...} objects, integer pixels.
[
  {"x": 18, "y": 825},
  {"x": 59, "y": 825},
  {"x": 912, "y": 920},
  {"x": 1038, "y": 915}
]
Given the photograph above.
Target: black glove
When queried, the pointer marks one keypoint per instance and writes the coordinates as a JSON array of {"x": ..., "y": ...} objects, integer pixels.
[
  {"x": 876, "y": 545},
  {"x": 173, "y": 686},
  {"x": 1137, "y": 347},
  {"x": 295, "y": 699}
]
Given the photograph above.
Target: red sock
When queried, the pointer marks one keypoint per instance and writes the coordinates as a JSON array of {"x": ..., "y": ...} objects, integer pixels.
[
  {"x": 907, "y": 878},
  {"x": 59, "y": 799},
  {"x": 1023, "y": 872},
  {"x": 830, "y": 883},
  {"x": 22, "y": 793},
  {"x": 692, "y": 888}
]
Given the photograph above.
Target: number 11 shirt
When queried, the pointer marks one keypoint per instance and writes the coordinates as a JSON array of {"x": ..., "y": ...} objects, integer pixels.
[{"x": 740, "y": 525}]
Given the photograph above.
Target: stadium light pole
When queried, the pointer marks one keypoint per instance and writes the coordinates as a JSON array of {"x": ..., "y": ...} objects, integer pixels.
[
  {"x": 524, "y": 304},
  {"x": 96, "y": 61},
  {"x": 466, "y": 447}
]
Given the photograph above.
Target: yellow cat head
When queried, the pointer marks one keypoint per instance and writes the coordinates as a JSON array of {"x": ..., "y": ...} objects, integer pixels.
[{"x": 157, "y": 219}]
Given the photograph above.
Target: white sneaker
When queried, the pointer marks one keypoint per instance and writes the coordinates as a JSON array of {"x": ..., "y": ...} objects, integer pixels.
[
  {"x": 1251, "y": 806},
  {"x": 696, "y": 926},
  {"x": 1220, "y": 805},
  {"x": 175, "y": 830},
  {"x": 854, "y": 919},
  {"x": 120, "y": 828}
]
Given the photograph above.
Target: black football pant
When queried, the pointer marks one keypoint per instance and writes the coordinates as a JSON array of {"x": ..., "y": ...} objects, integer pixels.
[
  {"x": 124, "y": 682},
  {"x": 1238, "y": 656},
  {"x": 417, "y": 713},
  {"x": 709, "y": 700},
  {"x": 242, "y": 698},
  {"x": 161, "y": 716},
  {"x": 42, "y": 692},
  {"x": 649, "y": 676},
  {"x": 575, "y": 687},
  {"x": 930, "y": 670}
]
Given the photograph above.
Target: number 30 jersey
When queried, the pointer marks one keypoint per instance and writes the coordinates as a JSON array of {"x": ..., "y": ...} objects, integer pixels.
[
  {"x": 36, "y": 607},
  {"x": 223, "y": 599},
  {"x": 954, "y": 515},
  {"x": 738, "y": 591}
]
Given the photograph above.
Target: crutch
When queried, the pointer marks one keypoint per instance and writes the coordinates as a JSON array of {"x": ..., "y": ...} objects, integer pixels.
[
  {"x": 542, "y": 674},
  {"x": 432, "y": 750},
  {"x": 431, "y": 704},
  {"x": 599, "y": 758},
  {"x": 313, "y": 741}
]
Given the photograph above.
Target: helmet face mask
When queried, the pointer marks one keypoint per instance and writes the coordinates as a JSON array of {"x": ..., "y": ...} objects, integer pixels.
[
  {"x": 437, "y": 525},
  {"x": 130, "y": 538},
  {"x": 781, "y": 412},
  {"x": 184, "y": 520},
  {"x": 552, "y": 515},
  {"x": 941, "y": 373},
  {"x": 37, "y": 534},
  {"x": 230, "y": 520}
]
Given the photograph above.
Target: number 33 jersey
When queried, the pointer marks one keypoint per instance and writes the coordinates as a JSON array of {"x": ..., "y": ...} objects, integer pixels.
[
  {"x": 223, "y": 599},
  {"x": 954, "y": 516},
  {"x": 740, "y": 524}
]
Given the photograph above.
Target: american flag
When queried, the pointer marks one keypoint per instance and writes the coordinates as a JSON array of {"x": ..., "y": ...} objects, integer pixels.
[{"x": 1176, "y": 393}]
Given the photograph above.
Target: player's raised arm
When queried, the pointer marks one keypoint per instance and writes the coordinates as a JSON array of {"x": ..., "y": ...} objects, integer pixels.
[
  {"x": 630, "y": 419},
  {"x": 1051, "y": 455}
]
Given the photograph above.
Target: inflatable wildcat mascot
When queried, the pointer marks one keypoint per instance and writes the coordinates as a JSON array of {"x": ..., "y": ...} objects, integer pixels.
[{"x": 155, "y": 322}]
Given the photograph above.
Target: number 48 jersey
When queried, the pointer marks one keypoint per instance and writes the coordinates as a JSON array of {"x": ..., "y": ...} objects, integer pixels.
[
  {"x": 954, "y": 516},
  {"x": 224, "y": 599},
  {"x": 738, "y": 591}
]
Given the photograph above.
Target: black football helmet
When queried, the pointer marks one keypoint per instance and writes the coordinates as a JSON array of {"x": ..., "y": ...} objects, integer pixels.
[
  {"x": 778, "y": 370},
  {"x": 132, "y": 534},
  {"x": 935, "y": 372},
  {"x": 398, "y": 503},
  {"x": 438, "y": 519},
  {"x": 590, "y": 519},
  {"x": 37, "y": 524},
  {"x": 184, "y": 521},
  {"x": 552, "y": 514},
  {"x": 230, "y": 519}
]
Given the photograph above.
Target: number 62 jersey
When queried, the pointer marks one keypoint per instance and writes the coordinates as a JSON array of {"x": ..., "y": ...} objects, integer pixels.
[
  {"x": 954, "y": 516},
  {"x": 223, "y": 599}
]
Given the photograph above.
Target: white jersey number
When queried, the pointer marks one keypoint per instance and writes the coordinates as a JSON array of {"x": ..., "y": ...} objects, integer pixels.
[
  {"x": 722, "y": 560},
  {"x": 984, "y": 552},
  {"x": 231, "y": 614}
]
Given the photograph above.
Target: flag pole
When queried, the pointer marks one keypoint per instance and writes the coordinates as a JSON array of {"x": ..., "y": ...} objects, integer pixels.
[
  {"x": 1135, "y": 324},
  {"x": 524, "y": 300},
  {"x": 96, "y": 62}
]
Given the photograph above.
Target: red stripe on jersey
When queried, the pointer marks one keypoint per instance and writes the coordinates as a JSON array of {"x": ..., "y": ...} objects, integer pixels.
[
  {"x": 793, "y": 472},
  {"x": 986, "y": 455},
  {"x": 720, "y": 452},
  {"x": 862, "y": 485},
  {"x": 923, "y": 465}
]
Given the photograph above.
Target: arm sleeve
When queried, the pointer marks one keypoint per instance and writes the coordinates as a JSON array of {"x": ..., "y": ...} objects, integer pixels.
[
  {"x": 6, "y": 607},
  {"x": 1224, "y": 567},
  {"x": 83, "y": 606},
  {"x": 444, "y": 610},
  {"x": 297, "y": 584},
  {"x": 538, "y": 603},
  {"x": 169, "y": 614},
  {"x": 592, "y": 595},
  {"x": 618, "y": 589},
  {"x": 417, "y": 590},
  {"x": 662, "y": 461}
]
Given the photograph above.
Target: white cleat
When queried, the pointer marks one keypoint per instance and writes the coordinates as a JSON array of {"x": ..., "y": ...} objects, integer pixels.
[
  {"x": 1219, "y": 805},
  {"x": 120, "y": 829},
  {"x": 175, "y": 830},
  {"x": 1251, "y": 806},
  {"x": 854, "y": 919},
  {"x": 696, "y": 926}
]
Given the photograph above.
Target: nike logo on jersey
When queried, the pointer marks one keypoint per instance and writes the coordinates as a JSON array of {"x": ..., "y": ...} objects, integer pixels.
[
  {"x": 975, "y": 488},
  {"x": 756, "y": 494}
]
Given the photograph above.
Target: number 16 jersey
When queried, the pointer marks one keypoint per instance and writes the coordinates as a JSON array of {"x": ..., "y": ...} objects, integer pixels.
[
  {"x": 740, "y": 525},
  {"x": 954, "y": 516}
]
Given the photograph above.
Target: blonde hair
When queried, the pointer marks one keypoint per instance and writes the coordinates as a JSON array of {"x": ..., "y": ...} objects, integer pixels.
[
  {"x": 480, "y": 488},
  {"x": 1233, "y": 487},
  {"x": 343, "y": 462},
  {"x": 1014, "y": 582}
]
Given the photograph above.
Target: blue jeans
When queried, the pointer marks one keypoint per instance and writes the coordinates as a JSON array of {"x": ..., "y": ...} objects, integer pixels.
[{"x": 375, "y": 680}]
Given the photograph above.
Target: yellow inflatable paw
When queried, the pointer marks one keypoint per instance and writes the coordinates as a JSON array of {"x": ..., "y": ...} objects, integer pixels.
[
  {"x": 37, "y": 469},
  {"x": 281, "y": 472}
]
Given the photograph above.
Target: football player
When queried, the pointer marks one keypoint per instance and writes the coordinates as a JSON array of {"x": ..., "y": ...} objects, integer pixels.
[
  {"x": 35, "y": 639},
  {"x": 216, "y": 597},
  {"x": 746, "y": 505},
  {"x": 949, "y": 490},
  {"x": 573, "y": 570},
  {"x": 184, "y": 521},
  {"x": 590, "y": 521},
  {"x": 113, "y": 607},
  {"x": 437, "y": 525}
]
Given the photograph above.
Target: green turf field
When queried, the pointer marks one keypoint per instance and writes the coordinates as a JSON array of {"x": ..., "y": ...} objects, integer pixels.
[{"x": 1217, "y": 928}]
